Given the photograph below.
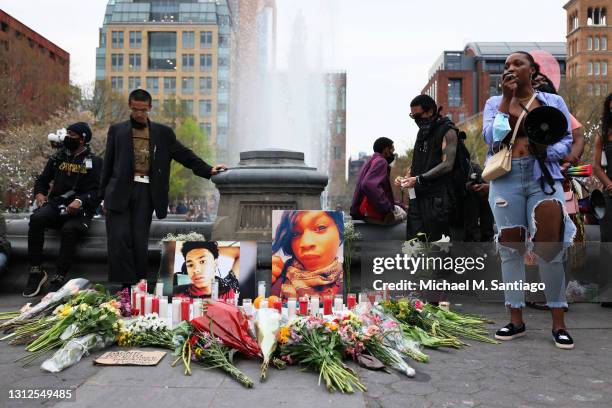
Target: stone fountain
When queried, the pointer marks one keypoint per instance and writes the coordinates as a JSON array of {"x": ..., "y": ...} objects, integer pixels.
[{"x": 263, "y": 181}]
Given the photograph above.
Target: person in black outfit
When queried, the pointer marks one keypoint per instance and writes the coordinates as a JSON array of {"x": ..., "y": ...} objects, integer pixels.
[
  {"x": 477, "y": 215},
  {"x": 602, "y": 167},
  {"x": 135, "y": 182},
  {"x": 68, "y": 206},
  {"x": 430, "y": 174},
  {"x": 5, "y": 245}
]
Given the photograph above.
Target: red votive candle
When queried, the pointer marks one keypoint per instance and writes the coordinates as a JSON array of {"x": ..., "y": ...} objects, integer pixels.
[
  {"x": 155, "y": 305},
  {"x": 185, "y": 304},
  {"x": 327, "y": 305},
  {"x": 303, "y": 305},
  {"x": 351, "y": 300},
  {"x": 142, "y": 304},
  {"x": 278, "y": 305}
]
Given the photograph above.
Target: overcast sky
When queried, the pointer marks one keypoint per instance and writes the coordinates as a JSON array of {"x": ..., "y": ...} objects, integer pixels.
[{"x": 385, "y": 46}]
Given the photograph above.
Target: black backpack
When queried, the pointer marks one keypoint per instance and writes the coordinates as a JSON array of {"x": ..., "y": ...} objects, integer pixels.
[{"x": 462, "y": 167}]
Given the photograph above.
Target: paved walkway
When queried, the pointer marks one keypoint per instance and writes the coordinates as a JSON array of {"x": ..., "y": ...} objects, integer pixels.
[{"x": 528, "y": 372}]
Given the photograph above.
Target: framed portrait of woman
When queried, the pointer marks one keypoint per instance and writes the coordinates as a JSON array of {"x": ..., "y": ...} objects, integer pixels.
[{"x": 307, "y": 253}]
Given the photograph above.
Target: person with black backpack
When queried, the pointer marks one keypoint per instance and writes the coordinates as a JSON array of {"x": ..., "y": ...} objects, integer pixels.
[{"x": 431, "y": 173}]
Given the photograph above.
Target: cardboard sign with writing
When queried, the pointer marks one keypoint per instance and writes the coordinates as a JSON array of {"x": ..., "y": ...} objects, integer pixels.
[{"x": 131, "y": 357}]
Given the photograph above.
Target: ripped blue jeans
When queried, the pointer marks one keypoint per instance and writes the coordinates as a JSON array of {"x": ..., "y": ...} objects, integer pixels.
[{"x": 513, "y": 199}]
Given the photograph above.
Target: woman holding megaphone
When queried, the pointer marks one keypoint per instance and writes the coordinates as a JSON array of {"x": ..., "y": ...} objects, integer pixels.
[{"x": 527, "y": 139}]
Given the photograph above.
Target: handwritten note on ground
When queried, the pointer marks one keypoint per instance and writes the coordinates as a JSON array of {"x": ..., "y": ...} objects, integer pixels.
[{"x": 131, "y": 357}]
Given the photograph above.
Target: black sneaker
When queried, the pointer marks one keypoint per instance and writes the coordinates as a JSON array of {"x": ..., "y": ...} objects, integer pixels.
[
  {"x": 56, "y": 282},
  {"x": 563, "y": 340},
  {"x": 510, "y": 332},
  {"x": 36, "y": 280}
]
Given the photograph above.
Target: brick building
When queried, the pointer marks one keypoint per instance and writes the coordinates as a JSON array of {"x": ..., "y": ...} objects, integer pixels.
[
  {"x": 462, "y": 81},
  {"x": 588, "y": 53},
  {"x": 34, "y": 74}
]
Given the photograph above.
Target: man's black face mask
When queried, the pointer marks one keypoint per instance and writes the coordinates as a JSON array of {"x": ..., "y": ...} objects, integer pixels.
[
  {"x": 425, "y": 123},
  {"x": 390, "y": 158},
  {"x": 71, "y": 143}
]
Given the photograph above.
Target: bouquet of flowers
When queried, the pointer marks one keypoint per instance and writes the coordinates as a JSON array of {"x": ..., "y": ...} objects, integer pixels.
[
  {"x": 230, "y": 325},
  {"x": 438, "y": 322},
  {"x": 145, "y": 331},
  {"x": 392, "y": 335},
  {"x": 72, "y": 352},
  {"x": 207, "y": 350},
  {"x": 267, "y": 323},
  {"x": 77, "y": 321},
  {"x": 315, "y": 343},
  {"x": 72, "y": 287},
  {"x": 359, "y": 338}
]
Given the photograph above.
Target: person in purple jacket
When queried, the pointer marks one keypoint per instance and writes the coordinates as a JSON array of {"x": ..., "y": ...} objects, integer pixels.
[
  {"x": 527, "y": 202},
  {"x": 373, "y": 199}
]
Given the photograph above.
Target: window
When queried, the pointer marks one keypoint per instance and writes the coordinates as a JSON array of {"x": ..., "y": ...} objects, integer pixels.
[
  {"x": 343, "y": 97},
  {"x": 604, "y": 68},
  {"x": 206, "y": 62},
  {"x": 332, "y": 97},
  {"x": 339, "y": 125},
  {"x": 135, "y": 39},
  {"x": 597, "y": 90},
  {"x": 188, "y": 62},
  {"x": 187, "y": 85},
  {"x": 117, "y": 62},
  {"x": 495, "y": 85},
  {"x": 589, "y": 88},
  {"x": 188, "y": 39},
  {"x": 187, "y": 107},
  {"x": 117, "y": 39},
  {"x": 589, "y": 43},
  {"x": 449, "y": 116},
  {"x": 117, "y": 84},
  {"x": 133, "y": 83},
  {"x": 222, "y": 108},
  {"x": 596, "y": 16},
  {"x": 596, "y": 43},
  {"x": 162, "y": 50},
  {"x": 206, "y": 128},
  {"x": 454, "y": 92},
  {"x": 169, "y": 85},
  {"x": 205, "y": 85},
  {"x": 153, "y": 84},
  {"x": 224, "y": 61},
  {"x": 596, "y": 66},
  {"x": 604, "y": 43},
  {"x": 134, "y": 62},
  {"x": 224, "y": 41},
  {"x": 170, "y": 107},
  {"x": 461, "y": 117},
  {"x": 154, "y": 105},
  {"x": 206, "y": 39},
  {"x": 590, "y": 68},
  {"x": 337, "y": 152},
  {"x": 205, "y": 108}
]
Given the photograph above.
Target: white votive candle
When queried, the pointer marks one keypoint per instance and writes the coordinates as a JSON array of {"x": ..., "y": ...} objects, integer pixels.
[{"x": 291, "y": 307}]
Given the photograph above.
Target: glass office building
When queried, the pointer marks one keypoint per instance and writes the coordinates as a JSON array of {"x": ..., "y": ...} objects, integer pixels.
[{"x": 179, "y": 50}]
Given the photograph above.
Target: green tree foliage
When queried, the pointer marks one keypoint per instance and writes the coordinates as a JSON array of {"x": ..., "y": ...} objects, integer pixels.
[{"x": 183, "y": 183}]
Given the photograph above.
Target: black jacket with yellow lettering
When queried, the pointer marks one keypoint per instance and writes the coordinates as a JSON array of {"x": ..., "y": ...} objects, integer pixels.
[{"x": 64, "y": 173}]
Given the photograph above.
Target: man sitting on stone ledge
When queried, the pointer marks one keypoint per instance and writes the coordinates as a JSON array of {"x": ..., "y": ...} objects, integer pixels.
[
  {"x": 373, "y": 200},
  {"x": 74, "y": 172}
]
